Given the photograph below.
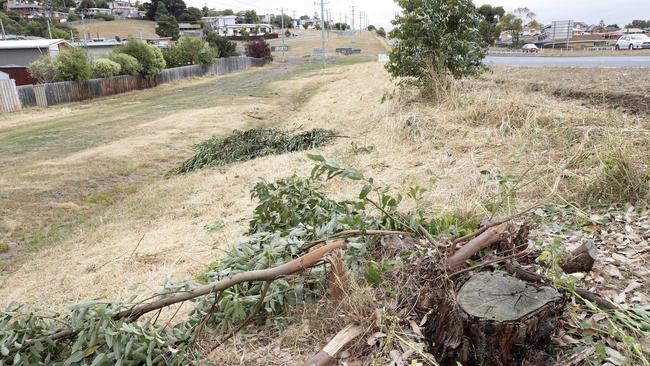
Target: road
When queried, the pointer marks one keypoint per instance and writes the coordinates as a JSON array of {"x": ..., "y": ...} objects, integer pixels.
[{"x": 589, "y": 61}]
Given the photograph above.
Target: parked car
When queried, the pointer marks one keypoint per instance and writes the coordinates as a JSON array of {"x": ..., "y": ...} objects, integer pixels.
[
  {"x": 633, "y": 42},
  {"x": 530, "y": 48}
]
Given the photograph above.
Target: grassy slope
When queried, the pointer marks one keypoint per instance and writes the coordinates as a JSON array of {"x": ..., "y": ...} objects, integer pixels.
[{"x": 122, "y": 28}]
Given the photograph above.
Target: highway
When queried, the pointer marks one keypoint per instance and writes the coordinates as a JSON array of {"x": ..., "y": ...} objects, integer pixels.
[{"x": 588, "y": 61}]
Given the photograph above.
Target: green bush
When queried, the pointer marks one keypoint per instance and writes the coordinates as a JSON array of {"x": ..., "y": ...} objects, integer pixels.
[
  {"x": 105, "y": 68},
  {"x": 189, "y": 51},
  {"x": 150, "y": 57},
  {"x": 224, "y": 47},
  {"x": 129, "y": 65},
  {"x": 74, "y": 65},
  {"x": 44, "y": 70},
  {"x": 72, "y": 17},
  {"x": 436, "y": 39}
]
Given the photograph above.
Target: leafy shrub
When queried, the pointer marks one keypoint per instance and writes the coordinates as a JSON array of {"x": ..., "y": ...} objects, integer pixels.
[
  {"x": 251, "y": 144},
  {"x": 189, "y": 51},
  {"x": 224, "y": 47},
  {"x": 105, "y": 68},
  {"x": 129, "y": 65},
  {"x": 206, "y": 57},
  {"x": 149, "y": 57},
  {"x": 73, "y": 17},
  {"x": 44, "y": 70},
  {"x": 436, "y": 39},
  {"x": 381, "y": 32},
  {"x": 259, "y": 48},
  {"x": 74, "y": 65}
]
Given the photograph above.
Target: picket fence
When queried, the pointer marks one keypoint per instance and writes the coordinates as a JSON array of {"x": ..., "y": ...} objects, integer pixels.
[{"x": 43, "y": 95}]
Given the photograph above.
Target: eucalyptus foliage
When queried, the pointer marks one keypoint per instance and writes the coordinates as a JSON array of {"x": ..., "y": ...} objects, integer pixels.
[
  {"x": 291, "y": 213},
  {"x": 251, "y": 144},
  {"x": 436, "y": 38}
]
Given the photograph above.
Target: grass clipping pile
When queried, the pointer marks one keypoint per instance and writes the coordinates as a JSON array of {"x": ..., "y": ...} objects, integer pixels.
[
  {"x": 251, "y": 144},
  {"x": 400, "y": 292}
]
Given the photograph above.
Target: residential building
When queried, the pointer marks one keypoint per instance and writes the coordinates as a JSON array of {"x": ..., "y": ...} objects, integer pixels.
[
  {"x": 124, "y": 9},
  {"x": 23, "y": 9},
  {"x": 24, "y": 52},
  {"x": 220, "y": 21},
  {"x": 190, "y": 30},
  {"x": 237, "y": 30},
  {"x": 16, "y": 55},
  {"x": 98, "y": 48},
  {"x": 90, "y": 12}
]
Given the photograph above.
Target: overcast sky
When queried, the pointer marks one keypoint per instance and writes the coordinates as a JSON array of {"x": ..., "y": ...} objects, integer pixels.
[{"x": 381, "y": 12}]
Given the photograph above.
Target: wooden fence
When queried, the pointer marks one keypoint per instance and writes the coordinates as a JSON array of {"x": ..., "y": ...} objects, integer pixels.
[
  {"x": 9, "y": 101},
  {"x": 68, "y": 91}
]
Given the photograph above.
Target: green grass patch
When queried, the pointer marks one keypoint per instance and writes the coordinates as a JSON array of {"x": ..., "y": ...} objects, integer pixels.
[
  {"x": 251, "y": 144},
  {"x": 4, "y": 248}
]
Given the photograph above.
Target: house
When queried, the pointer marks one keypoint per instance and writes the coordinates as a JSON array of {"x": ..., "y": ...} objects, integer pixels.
[
  {"x": 124, "y": 9},
  {"x": 91, "y": 12},
  {"x": 24, "y": 52},
  {"x": 98, "y": 48},
  {"x": 238, "y": 30},
  {"x": 23, "y": 9},
  {"x": 220, "y": 21},
  {"x": 190, "y": 30}
]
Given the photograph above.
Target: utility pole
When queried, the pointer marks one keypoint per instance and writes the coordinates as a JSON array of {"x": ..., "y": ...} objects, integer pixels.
[
  {"x": 352, "y": 28},
  {"x": 282, "y": 35},
  {"x": 360, "y": 22},
  {"x": 322, "y": 31},
  {"x": 2, "y": 27}
]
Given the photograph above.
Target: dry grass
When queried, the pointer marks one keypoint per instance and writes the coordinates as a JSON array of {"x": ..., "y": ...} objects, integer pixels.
[
  {"x": 491, "y": 138},
  {"x": 307, "y": 40},
  {"x": 123, "y": 28}
]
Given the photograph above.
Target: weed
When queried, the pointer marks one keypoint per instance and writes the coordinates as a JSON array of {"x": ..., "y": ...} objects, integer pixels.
[
  {"x": 4, "y": 248},
  {"x": 618, "y": 179}
]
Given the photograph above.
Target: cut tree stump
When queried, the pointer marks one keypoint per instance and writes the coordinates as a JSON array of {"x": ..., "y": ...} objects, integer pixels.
[
  {"x": 581, "y": 260},
  {"x": 494, "y": 319}
]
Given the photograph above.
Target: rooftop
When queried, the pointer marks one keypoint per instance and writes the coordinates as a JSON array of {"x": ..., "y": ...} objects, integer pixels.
[{"x": 30, "y": 43}]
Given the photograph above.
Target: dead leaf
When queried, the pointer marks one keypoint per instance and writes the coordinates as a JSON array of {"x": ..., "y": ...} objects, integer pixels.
[
  {"x": 416, "y": 328},
  {"x": 614, "y": 357},
  {"x": 372, "y": 340}
]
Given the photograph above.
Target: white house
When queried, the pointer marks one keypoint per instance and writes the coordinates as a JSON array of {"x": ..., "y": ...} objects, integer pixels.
[{"x": 240, "y": 29}]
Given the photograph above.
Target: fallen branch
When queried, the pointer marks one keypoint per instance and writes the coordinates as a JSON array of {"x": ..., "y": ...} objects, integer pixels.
[
  {"x": 350, "y": 233},
  {"x": 581, "y": 292},
  {"x": 488, "y": 237},
  {"x": 327, "y": 355},
  {"x": 270, "y": 274}
]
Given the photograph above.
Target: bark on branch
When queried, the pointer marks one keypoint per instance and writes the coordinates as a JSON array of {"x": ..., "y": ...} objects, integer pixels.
[
  {"x": 485, "y": 239},
  {"x": 306, "y": 261}
]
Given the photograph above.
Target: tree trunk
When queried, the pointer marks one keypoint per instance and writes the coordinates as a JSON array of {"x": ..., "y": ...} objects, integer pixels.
[{"x": 493, "y": 319}]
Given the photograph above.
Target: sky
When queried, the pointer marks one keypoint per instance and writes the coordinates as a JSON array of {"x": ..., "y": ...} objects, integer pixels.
[{"x": 380, "y": 12}]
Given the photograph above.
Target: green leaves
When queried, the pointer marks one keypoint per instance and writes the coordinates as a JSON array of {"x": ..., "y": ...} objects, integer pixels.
[{"x": 251, "y": 144}]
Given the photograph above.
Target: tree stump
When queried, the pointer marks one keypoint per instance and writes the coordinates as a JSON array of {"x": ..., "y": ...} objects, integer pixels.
[{"x": 494, "y": 319}]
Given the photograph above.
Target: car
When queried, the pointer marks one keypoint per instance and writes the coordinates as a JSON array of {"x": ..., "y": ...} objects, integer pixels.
[
  {"x": 530, "y": 48},
  {"x": 633, "y": 42}
]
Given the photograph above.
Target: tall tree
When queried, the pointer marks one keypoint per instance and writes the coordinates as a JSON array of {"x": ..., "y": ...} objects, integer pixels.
[
  {"x": 514, "y": 24},
  {"x": 250, "y": 17},
  {"x": 168, "y": 27},
  {"x": 489, "y": 23},
  {"x": 601, "y": 28}
]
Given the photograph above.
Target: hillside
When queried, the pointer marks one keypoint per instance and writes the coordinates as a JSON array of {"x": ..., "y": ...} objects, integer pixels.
[{"x": 121, "y": 28}]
